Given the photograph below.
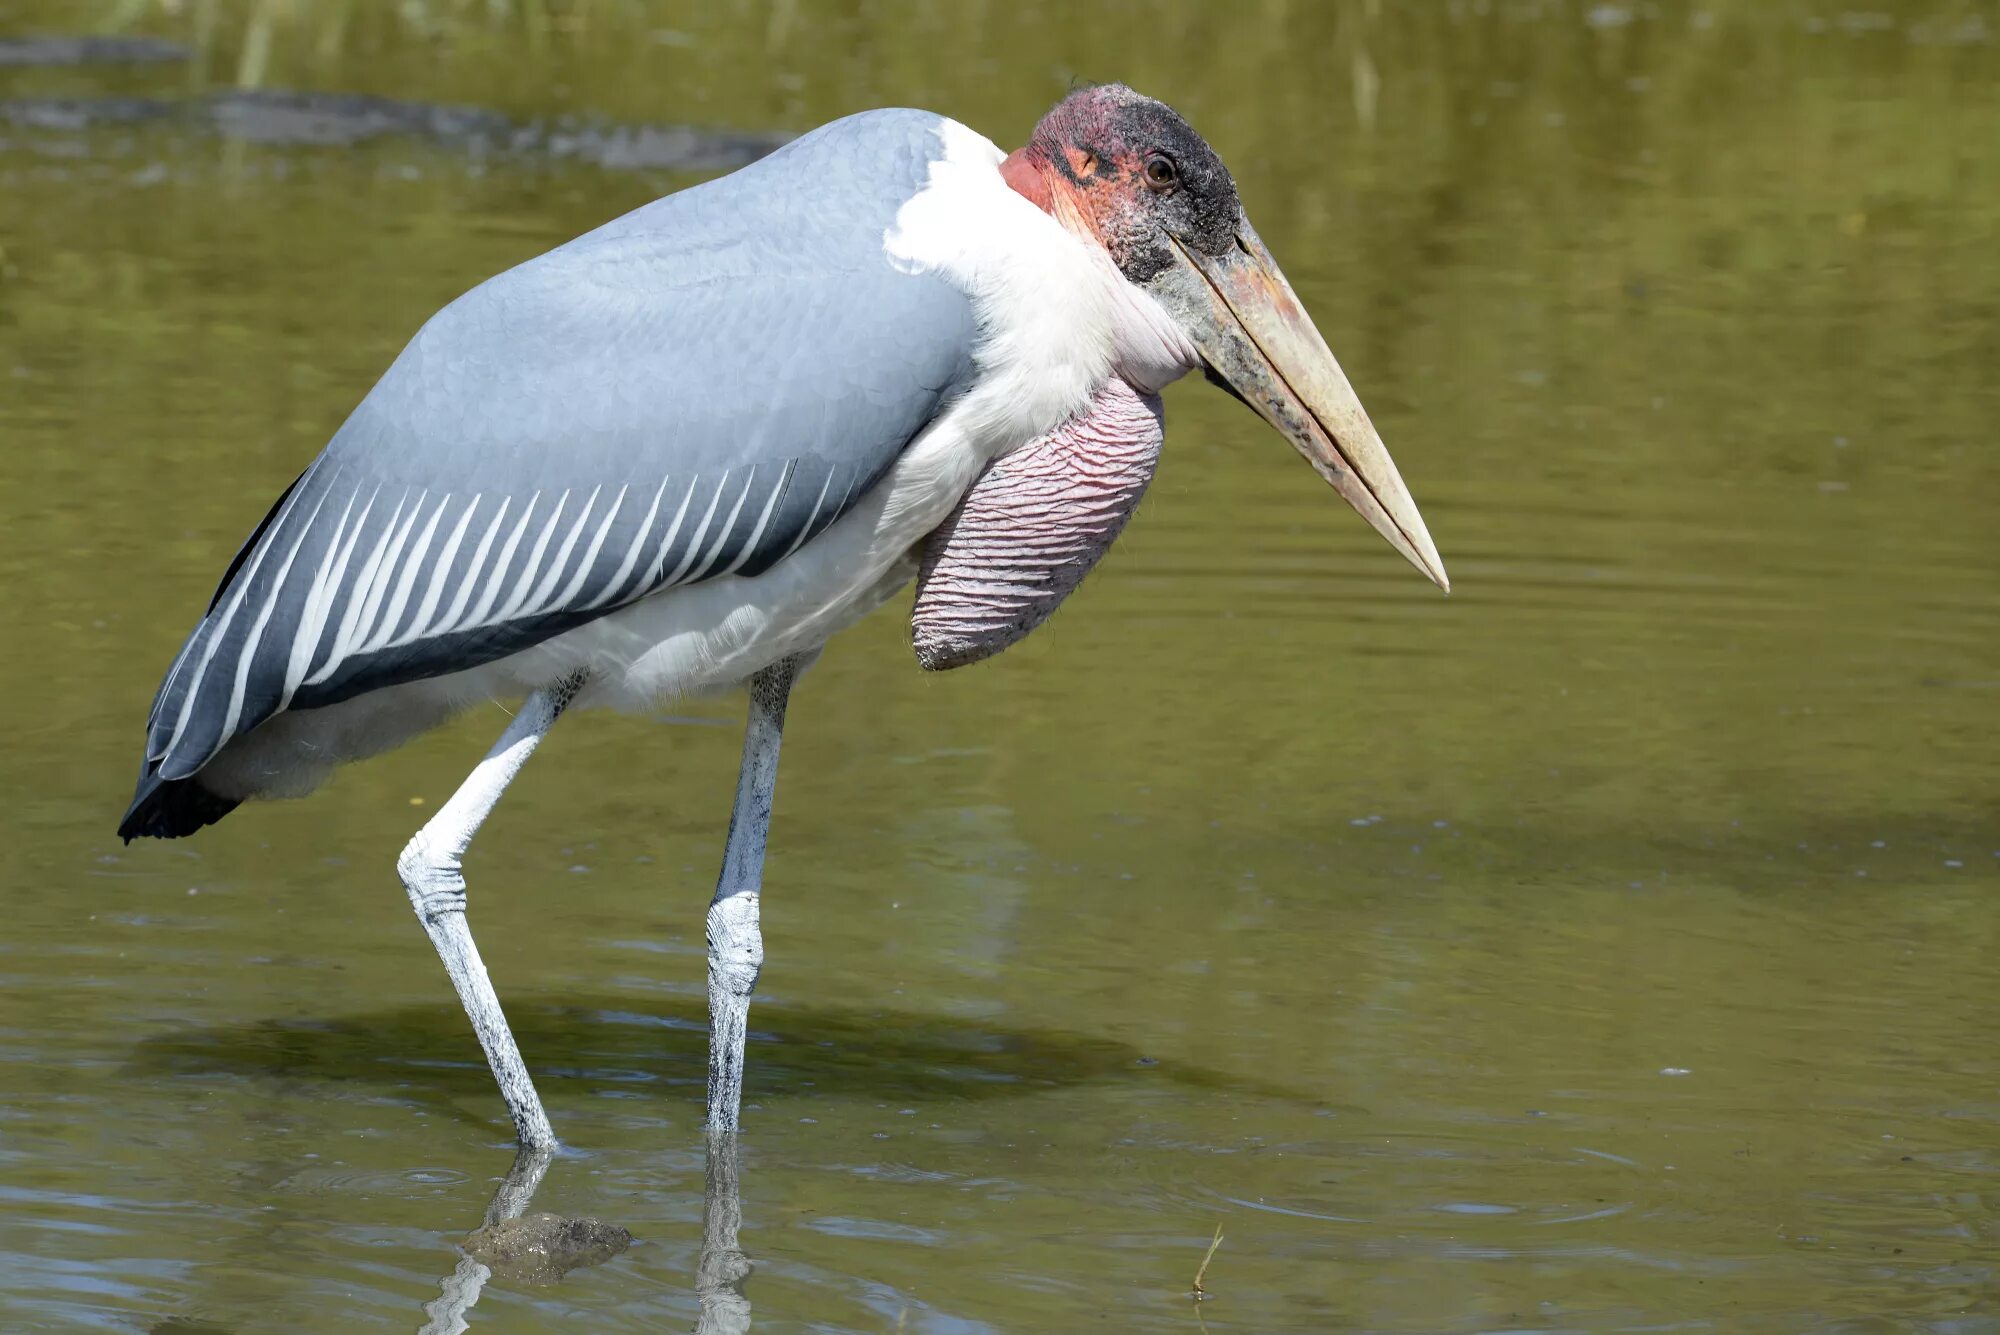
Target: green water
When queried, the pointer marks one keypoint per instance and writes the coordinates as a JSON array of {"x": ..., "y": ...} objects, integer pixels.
[{"x": 1608, "y": 947}]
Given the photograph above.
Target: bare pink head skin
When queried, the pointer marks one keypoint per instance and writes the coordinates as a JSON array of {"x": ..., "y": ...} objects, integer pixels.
[{"x": 1126, "y": 172}]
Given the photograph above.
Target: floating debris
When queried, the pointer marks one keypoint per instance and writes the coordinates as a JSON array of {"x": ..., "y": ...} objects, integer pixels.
[{"x": 1198, "y": 1293}]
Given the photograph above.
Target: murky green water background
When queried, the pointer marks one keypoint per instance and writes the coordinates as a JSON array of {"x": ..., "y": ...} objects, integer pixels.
[{"x": 1608, "y": 947}]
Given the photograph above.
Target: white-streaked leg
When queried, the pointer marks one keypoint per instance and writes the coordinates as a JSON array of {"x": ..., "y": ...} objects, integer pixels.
[
  {"x": 735, "y": 934},
  {"x": 430, "y": 870}
]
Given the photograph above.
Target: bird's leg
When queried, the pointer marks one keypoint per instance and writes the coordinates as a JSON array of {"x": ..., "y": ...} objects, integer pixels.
[
  {"x": 430, "y": 870},
  {"x": 735, "y": 936}
]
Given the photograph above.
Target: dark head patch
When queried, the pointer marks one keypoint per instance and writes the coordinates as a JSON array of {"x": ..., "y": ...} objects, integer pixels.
[{"x": 1138, "y": 174}]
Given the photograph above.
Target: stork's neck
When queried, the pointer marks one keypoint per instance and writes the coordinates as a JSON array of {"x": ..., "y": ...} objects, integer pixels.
[
  {"x": 1057, "y": 319},
  {"x": 1150, "y": 350},
  {"x": 1026, "y": 179}
]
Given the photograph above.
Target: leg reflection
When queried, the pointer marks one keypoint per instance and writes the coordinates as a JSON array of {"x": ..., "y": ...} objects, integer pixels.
[
  {"x": 460, "y": 1289},
  {"x": 719, "y": 1279},
  {"x": 525, "y": 1248}
]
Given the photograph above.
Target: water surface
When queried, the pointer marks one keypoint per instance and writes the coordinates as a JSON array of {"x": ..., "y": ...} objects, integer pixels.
[{"x": 1608, "y": 947}]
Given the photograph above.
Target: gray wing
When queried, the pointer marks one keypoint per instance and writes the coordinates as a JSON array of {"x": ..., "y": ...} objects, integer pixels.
[{"x": 696, "y": 389}]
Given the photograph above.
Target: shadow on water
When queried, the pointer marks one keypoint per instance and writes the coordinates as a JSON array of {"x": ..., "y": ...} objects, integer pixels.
[{"x": 795, "y": 1051}]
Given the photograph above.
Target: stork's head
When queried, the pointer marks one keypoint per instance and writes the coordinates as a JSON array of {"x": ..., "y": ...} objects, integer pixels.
[{"x": 1127, "y": 173}]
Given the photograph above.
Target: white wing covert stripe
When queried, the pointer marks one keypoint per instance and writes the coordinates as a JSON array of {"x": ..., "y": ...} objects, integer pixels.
[
  {"x": 245, "y": 659},
  {"x": 728, "y": 526},
  {"x": 379, "y": 581},
  {"x": 764, "y": 519},
  {"x": 357, "y": 598},
  {"x": 531, "y": 567},
  {"x": 554, "y": 572},
  {"x": 392, "y": 616},
  {"x": 312, "y": 623},
  {"x": 659, "y": 562},
  {"x": 376, "y": 580},
  {"x": 164, "y": 699},
  {"x": 589, "y": 562},
  {"x": 215, "y": 637},
  {"x": 805, "y": 529},
  {"x": 469, "y": 581},
  {"x": 632, "y": 550},
  {"x": 694, "y": 543},
  {"x": 488, "y": 595},
  {"x": 440, "y": 576}
]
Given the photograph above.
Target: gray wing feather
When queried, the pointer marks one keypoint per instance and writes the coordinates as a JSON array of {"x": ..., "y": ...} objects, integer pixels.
[{"x": 694, "y": 390}]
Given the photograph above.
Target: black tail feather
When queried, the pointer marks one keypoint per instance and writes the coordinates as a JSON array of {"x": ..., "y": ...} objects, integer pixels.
[{"x": 171, "y": 808}]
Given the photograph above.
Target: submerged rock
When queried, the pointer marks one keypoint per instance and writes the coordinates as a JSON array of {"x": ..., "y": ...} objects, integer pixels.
[
  {"x": 542, "y": 1248},
  {"x": 270, "y": 116},
  {"x": 281, "y": 119},
  {"x": 82, "y": 113},
  {"x": 19, "y": 51}
]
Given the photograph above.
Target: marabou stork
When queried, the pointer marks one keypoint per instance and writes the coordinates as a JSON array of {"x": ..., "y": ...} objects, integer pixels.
[{"x": 678, "y": 453}]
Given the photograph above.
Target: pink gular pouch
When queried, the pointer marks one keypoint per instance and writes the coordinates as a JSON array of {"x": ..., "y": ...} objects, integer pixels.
[{"x": 1033, "y": 525}]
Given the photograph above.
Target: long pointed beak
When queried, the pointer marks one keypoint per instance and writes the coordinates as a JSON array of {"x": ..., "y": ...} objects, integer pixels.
[{"x": 1258, "y": 340}]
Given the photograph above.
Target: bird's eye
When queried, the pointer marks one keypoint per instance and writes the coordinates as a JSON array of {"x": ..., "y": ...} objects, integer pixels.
[{"x": 1160, "y": 173}]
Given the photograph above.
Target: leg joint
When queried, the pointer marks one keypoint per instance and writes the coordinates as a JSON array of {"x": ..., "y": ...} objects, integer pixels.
[
  {"x": 735, "y": 943},
  {"x": 434, "y": 881}
]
